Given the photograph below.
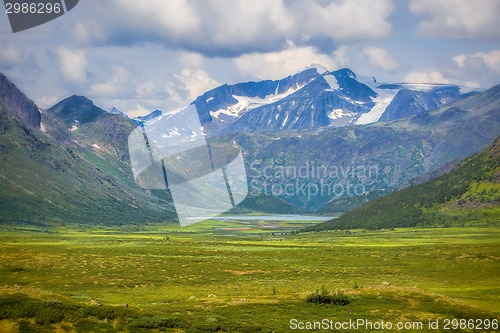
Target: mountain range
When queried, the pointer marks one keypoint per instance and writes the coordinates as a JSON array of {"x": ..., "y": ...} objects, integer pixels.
[
  {"x": 312, "y": 99},
  {"x": 467, "y": 194},
  {"x": 70, "y": 163},
  {"x": 396, "y": 151},
  {"x": 69, "y": 166}
]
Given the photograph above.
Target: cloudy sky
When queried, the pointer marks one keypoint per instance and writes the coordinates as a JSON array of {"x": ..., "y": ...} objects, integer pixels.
[{"x": 160, "y": 54}]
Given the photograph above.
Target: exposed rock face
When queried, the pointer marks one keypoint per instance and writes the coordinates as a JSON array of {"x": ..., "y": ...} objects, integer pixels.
[{"x": 14, "y": 99}]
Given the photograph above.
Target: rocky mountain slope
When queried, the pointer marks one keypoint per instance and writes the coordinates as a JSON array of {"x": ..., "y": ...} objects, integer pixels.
[
  {"x": 74, "y": 169},
  {"x": 468, "y": 194},
  {"x": 14, "y": 99}
]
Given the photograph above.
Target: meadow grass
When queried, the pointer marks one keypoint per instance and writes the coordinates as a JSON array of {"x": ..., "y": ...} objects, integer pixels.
[{"x": 233, "y": 279}]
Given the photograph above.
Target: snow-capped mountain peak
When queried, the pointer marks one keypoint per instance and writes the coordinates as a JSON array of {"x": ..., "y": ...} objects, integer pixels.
[
  {"x": 147, "y": 118},
  {"x": 114, "y": 110},
  {"x": 315, "y": 98}
]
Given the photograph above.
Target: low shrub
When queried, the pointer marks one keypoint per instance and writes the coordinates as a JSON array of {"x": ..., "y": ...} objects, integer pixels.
[
  {"x": 323, "y": 296},
  {"x": 156, "y": 322}
]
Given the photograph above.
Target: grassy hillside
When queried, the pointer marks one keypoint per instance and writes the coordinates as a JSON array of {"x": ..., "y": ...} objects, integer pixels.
[
  {"x": 59, "y": 176},
  {"x": 470, "y": 193}
]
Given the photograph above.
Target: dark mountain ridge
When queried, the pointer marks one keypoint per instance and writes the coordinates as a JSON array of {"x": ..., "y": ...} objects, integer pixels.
[
  {"x": 15, "y": 100},
  {"x": 408, "y": 103}
]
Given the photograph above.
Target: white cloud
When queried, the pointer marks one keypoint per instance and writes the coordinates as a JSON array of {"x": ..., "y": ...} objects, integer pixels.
[
  {"x": 176, "y": 17},
  {"x": 47, "y": 101},
  {"x": 380, "y": 58},
  {"x": 234, "y": 27},
  {"x": 138, "y": 110},
  {"x": 490, "y": 59},
  {"x": 341, "y": 57},
  {"x": 426, "y": 77},
  {"x": 276, "y": 65},
  {"x": 88, "y": 31},
  {"x": 196, "y": 82},
  {"x": 145, "y": 89},
  {"x": 11, "y": 54},
  {"x": 242, "y": 22},
  {"x": 464, "y": 19},
  {"x": 478, "y": 69},
  {"x": 108, "y": 88},
  {"x": 344, "y": 19},
  {"x": 190, "y": 59},
  {"x": 72, "y": 63},
  {"x": 118, "y": 84},
  {"x": 188, "y": 85}
]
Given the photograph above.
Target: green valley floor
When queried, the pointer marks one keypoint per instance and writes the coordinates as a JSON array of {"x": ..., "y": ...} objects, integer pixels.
[{"x": 238, "y": 279}]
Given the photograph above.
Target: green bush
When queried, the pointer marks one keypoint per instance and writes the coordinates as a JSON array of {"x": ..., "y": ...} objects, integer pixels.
[
  {"x": 323, "y": 296},
  {"x": 50, "y": 313},
  {"x": 25, "y": 327},
  {"x": 156, "y": 322},
  {"x": 18, "y": 306}
]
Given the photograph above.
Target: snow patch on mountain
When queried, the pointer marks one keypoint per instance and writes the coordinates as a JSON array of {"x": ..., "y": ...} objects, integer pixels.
[
  {"x": 246, "y": 103},
  {"x": 339, "y": 113},
  {"x": 285, "y": 120},
  {"x": 171, "y": 134},
  {"x": 419, "y": 86},
  {"x": 384, "y": 98},
  {"x": 332, "y": 82},
  {"x": 350, "y": 100}
]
